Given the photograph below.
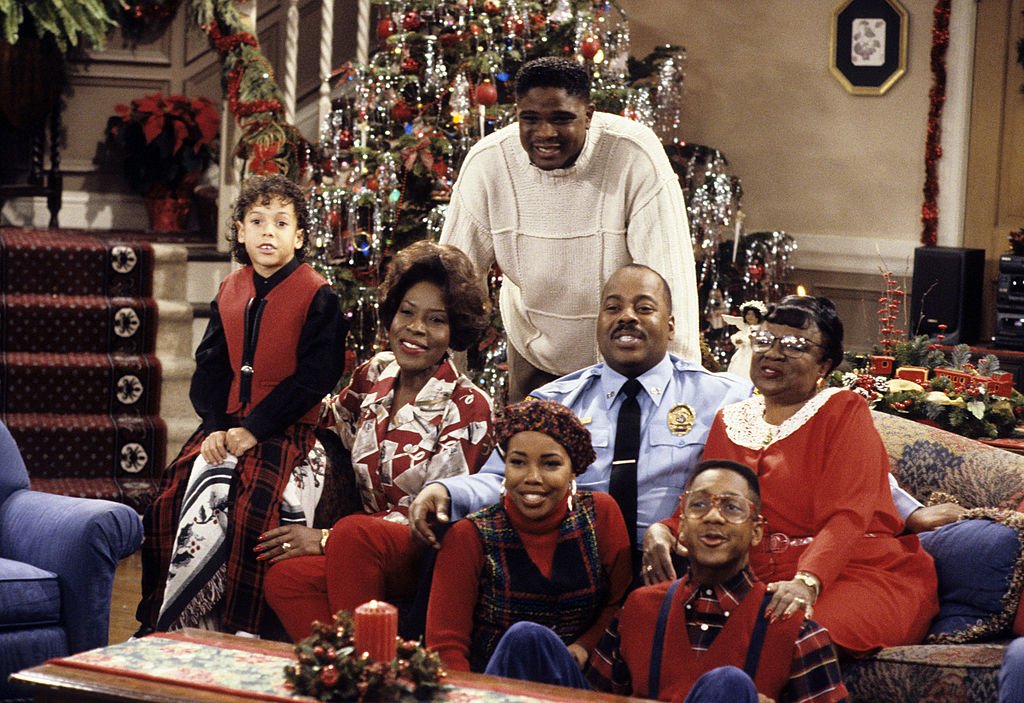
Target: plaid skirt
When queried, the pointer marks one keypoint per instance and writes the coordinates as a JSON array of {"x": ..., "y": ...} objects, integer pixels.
[{"x": 254, "y": 506}]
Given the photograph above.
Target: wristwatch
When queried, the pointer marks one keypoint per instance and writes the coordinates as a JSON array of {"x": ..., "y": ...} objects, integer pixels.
[
  {"x": 809, "y": 580},
  {"x": 324, "y": 534}
]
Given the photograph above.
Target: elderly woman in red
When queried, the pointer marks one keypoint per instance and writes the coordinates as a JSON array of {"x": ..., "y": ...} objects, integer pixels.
[
  {"x": 525, "y": 587},
  {"x": 832, "y": 541},
  {"x": 408, "y": 417}
]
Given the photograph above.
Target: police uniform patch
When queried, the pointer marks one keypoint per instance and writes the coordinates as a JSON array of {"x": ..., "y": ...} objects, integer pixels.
[{"x": 680, "y": 419}]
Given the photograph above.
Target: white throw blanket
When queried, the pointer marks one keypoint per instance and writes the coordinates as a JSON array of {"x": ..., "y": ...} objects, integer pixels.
[{"x": 195, "y": 580}]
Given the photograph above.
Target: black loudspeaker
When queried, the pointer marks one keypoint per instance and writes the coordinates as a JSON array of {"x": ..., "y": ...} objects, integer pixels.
[{"x": 947, "y": 291}]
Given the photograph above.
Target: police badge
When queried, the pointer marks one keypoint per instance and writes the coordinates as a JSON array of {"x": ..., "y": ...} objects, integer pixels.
[{"x": 680, "y": 419}]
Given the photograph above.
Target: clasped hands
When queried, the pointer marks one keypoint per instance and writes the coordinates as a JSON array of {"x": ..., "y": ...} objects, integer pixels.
[
  {"x": 218, "y": 445},
  {"x": 659, "y": 545}
]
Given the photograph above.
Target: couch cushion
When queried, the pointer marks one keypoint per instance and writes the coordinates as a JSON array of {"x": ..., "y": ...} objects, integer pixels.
[
  {"x": 979, "y": 566},
  {"x": 29, "y": 596},
  {"x": 951, "y": 673},
  {"x": 927, "y": 460}
]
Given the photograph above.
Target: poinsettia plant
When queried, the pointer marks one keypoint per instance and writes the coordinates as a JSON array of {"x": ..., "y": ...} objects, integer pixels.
[{"x": 167, "y": 142}]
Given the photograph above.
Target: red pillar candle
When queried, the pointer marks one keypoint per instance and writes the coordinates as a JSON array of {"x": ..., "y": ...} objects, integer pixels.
[{"x": 376, "y": 627}]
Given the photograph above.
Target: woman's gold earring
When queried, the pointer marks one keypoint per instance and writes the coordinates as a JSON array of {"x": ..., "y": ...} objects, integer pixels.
[
  {"x": 572, "y": 492},
  {"x": 502, "y": 490}
]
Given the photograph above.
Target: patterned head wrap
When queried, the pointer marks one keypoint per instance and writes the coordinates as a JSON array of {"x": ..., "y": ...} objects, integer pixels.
[{"x": 553, "y": 419}]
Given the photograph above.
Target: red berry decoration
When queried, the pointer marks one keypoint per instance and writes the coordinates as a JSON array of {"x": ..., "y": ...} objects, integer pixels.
[
  {"x": 410, "y": 65},
  {"x": 385, "y": 28},
  {"x": 486, "y": 94},
  {"x": 590, "y": 46},
  {"x": 412, "y": 21}
]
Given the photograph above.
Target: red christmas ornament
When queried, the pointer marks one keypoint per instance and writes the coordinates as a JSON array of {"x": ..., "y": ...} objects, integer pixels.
[
  {"x": 385, "y": 28},
  {"x": 440, "y": 168},
  {"x": 410, "y": 65},
  {"x": 539, "y": 19},
  {"x": 334, "y": 222},
  {"x": 402, "y": 111},
  {"x": 412, "y": 21},
  {"x": 486, "y": 94},
  {"x": 515, "y": 26},
  {"x": 475, "y": 29},
  {"x": 345, "y": 139},
  {"x": 492, "y": 7},
  {"x": 590, "y": 46},
  {"x": 450, "y": 39}
]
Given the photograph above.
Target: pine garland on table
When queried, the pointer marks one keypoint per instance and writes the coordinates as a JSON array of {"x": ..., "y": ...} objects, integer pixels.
[{"x": 329, "y": 669}]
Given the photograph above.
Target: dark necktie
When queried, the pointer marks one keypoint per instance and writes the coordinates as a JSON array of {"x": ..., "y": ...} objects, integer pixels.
[{"x": 622, "y": 485}]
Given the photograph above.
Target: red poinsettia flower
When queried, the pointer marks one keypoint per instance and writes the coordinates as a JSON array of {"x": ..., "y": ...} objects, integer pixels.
[
  {"x": 264, "y": 157},
  {"x": 167, "y": 141}
]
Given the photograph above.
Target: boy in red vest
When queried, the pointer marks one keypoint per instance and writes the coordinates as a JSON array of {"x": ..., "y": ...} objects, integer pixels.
[
  {"x": 274, "y": 347},
  {"x": 707, "y": 636}
]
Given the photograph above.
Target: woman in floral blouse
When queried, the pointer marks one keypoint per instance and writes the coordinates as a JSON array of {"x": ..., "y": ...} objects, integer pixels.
[{"x": 408, "y": 417}]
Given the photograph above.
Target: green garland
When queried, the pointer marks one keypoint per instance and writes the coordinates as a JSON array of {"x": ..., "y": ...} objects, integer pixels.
[
  {"x": 268, "y": 143},
  {"x": 328, "y": 669}
]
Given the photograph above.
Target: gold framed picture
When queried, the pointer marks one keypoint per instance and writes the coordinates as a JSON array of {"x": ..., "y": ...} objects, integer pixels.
[{"x": 869, "y": 45}]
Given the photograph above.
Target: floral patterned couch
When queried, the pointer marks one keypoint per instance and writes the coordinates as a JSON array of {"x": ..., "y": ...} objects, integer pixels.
[{"x": 979, "y": 563}]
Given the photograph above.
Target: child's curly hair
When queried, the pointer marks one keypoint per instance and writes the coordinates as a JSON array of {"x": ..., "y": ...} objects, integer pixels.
[
  {"x": 465, "y": 298},
  {"x": 262, "y": 190}
]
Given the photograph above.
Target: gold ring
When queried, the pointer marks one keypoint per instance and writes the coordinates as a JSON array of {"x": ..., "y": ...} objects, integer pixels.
[
  {"x": 801, "y": 601},
  {"x": 649, "y": 567},
  {"x": 285, "y": 546}
]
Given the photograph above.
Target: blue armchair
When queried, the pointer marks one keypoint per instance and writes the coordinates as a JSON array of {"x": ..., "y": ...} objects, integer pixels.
[{"x": 57, "y": 561}]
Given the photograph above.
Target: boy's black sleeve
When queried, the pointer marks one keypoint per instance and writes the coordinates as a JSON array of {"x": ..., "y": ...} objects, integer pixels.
[
  {"x": 211, "y": 381},
  {"x": 321, "y": 359}
]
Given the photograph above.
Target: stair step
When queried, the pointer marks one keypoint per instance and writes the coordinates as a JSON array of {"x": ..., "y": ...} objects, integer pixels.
[
  {"x": 74, "y": 262},
  {"x": 122, "y": 448},
  {"x": 77, "y": 323},
  {"x": 45, "y": 382}
]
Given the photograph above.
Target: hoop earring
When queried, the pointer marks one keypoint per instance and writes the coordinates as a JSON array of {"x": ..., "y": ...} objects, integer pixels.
[
  {"x": 572, "y": 492},
  {"x": 502, "y": 491}
]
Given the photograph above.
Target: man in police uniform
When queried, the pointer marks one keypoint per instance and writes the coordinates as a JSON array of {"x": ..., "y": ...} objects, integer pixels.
[{"x": 678, "y": 402}]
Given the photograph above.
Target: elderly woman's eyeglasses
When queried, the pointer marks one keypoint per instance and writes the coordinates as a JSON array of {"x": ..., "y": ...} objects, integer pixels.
[
  {"x": 790, "y": 345},
  {"x": 733, "y": 508}
]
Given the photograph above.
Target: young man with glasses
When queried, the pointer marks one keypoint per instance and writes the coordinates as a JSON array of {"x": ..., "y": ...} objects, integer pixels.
[{"x": 710, "y": 636}]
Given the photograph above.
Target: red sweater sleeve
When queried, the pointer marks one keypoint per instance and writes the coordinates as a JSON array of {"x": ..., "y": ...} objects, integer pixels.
[
  {"x": 852, "y": 495},
  {"x": 613, "y": 544},
  {"x": 453, "y": 595}
]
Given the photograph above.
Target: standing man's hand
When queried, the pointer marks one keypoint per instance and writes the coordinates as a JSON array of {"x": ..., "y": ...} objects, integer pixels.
[
  {"x": 430, "y": 507},
  {"x": 659, "y": 545}
]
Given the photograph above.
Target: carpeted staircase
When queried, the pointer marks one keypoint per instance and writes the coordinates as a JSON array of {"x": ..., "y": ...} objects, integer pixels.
[{"x": 83, "y": 363}]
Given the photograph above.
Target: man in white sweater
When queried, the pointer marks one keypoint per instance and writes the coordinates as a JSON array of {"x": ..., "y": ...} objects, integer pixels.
[{"x": 561, "y": 200}]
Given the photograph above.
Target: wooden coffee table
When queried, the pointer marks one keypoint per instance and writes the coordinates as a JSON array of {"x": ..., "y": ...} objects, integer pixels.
[{"x": 51, "y": 683}]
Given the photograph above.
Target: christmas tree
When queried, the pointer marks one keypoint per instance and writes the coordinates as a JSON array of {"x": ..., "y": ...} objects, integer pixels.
[{"x": 440, "y": 78}]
